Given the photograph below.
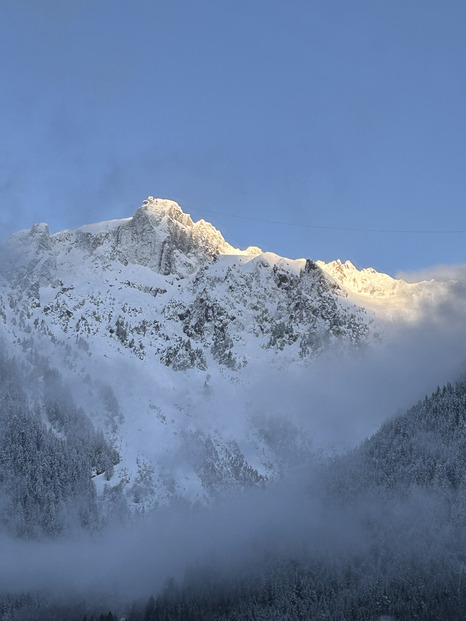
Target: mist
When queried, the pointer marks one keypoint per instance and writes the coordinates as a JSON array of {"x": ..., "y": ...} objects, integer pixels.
[
  {"x": 337, "y": 401},
  {"x": 312, "y": 511},
  {"x": 342, "y": 397},
  {"x": 233, "y": 537}
]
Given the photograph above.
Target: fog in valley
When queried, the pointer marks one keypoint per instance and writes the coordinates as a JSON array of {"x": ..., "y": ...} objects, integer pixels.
[{"x": 328, "y": 509}]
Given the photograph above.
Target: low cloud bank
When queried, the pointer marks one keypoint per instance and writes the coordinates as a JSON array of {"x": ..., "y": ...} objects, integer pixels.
[{"x": 337, "y": 401}]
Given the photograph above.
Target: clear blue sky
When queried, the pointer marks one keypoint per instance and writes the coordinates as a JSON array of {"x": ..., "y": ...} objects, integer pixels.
[{"x": 345, "y": 114}]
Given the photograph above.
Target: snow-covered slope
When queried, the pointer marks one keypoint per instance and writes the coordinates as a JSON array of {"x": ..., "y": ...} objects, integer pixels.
[
  {"x": 155, "y": 319},
  {"x": 388, "y": 298}
]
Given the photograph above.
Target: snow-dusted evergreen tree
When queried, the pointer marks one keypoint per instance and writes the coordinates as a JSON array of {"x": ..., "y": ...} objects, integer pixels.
[{"x": 49, "y": 450}]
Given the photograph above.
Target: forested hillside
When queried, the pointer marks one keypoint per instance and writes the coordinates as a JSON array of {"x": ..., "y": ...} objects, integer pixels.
[{"x": 49, "y": 451}]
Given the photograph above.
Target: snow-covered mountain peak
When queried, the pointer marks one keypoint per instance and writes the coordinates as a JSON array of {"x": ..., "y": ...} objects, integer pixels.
[
  {"x": 159, "y": 208},
  {"x": 161, "y": 236},
  {"x": 27, "y": 256},
  {"x": 38, "y": 237},
  {"x": 391, "y": 299},
  {"x": 159, "y": 212},
  {"x": 366, "y": 282},
  {"x": 156, "y": 316}
]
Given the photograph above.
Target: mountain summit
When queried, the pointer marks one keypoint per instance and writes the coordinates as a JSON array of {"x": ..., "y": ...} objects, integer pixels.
[
  {"x": 154, "y": 318},
  {"x": 167, "y": 240},
  {"x": 159, "y": 236}
]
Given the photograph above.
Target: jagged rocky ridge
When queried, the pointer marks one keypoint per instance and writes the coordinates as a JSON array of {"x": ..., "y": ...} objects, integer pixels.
[
  {"x": 158, "y": 282},
  {"x": 151, "y": 318}
]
